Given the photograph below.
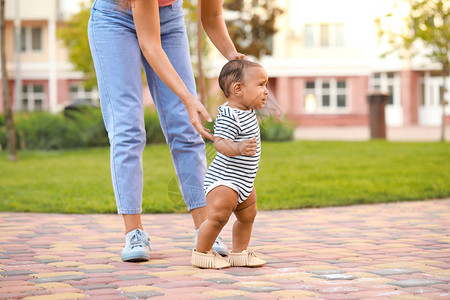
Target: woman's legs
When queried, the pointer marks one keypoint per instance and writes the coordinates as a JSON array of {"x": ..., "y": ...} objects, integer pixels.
[
  {"x": 116, "y": 54},
  {"x": 186, "y": 145}
]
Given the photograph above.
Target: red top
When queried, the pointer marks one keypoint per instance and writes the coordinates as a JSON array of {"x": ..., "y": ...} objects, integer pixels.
[{"x": 166, "y": 2}]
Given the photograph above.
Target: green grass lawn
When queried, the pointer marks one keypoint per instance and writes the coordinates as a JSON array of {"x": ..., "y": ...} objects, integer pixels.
[{"x": 292, "y": 175}]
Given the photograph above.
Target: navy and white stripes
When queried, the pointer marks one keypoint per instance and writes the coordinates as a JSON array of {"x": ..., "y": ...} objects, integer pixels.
[{"x": 237, "y": 172}]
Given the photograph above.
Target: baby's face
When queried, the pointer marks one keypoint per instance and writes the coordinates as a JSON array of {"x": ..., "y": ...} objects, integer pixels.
[{"x": 254, "y": 88}]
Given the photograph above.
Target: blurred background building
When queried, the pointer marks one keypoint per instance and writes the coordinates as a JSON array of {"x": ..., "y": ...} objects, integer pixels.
[
  {"x": 47, "y": 78},
  {"x": 326, "y": 59}
]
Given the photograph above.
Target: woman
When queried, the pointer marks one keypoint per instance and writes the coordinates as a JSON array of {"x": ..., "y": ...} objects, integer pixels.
[{"x": 123, "y": 36}]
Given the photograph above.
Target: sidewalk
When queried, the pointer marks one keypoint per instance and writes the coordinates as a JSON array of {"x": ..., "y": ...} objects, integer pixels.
[
  {"x": 398, "y": 251},
  {"x": 362, "y": 133}
]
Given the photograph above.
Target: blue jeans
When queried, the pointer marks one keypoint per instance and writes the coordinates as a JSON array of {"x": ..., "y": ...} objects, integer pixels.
[{"x": 118, "y": 60}]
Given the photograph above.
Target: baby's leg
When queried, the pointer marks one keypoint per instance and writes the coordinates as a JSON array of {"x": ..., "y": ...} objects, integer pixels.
[
  {"x": 242, "y": 228},
  {"x": 221, "y": 202}
]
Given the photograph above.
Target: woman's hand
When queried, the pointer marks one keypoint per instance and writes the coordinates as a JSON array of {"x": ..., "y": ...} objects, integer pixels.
[
  {"x": 196, "y": 111},
  {"x": 237, "y": 55}
]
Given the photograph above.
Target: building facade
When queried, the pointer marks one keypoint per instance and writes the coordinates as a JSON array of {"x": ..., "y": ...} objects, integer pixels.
[
  {"x": 326, "y": 60},
  {"x": 48, "y": 81}
]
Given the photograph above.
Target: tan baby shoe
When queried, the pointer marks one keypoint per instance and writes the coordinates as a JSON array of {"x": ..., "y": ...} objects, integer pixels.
[
  {"x": 245, "y": 259},
  {"x": 209, "y": 260}
]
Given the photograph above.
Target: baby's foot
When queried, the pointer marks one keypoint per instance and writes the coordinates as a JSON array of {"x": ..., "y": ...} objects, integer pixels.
[
  {"x": 209, "y": 260},
  {"x": 245, "y": 259}
]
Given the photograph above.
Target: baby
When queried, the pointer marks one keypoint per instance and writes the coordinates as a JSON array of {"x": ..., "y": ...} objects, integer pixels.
[{"x": 230, "y": 177}]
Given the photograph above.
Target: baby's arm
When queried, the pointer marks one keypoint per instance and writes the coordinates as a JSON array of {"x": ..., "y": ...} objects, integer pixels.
[{"x": 229, "y": 148}]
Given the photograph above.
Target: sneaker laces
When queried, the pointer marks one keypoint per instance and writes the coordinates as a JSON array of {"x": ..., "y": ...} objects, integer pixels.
[
  {"x": 218, "y": 240},
  {"x": 139, "y": 239}
]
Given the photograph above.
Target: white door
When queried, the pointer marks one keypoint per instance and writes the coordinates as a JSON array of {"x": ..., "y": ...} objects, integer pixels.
[
  {"x": 394, "y": 109},
  {"x": 430, "y": 109},
  {"x": 390, "y": 83}
]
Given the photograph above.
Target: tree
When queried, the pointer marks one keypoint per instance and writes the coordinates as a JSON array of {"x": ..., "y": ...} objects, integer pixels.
[
  {"x": 9, "y": 117},
  {"x": 197, "y": 43},
  {"x": 74, "y": 37},
  {"x": 428, "y": 22},
  {"x": 252, "y": 25}
]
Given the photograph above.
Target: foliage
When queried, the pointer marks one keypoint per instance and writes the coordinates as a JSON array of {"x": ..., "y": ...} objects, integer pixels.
[
  {"x": 428, "y": 22},
  {"x": 74, "y": 37},
  {"x": 153, "y": 129},
  {"x": 191, "y": 15},
  {"x": 273, "y": 129},
  {"x": 89, "y": 126},
  {"x": 73, "y": 129},
  {"x": 253, "y": 26},
  {"x": 291, "y": 175},
  {"x": 46, "y": 132}
]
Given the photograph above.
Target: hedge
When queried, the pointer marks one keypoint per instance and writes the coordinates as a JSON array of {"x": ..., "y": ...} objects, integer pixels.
[{"x": 85, "y": 128}]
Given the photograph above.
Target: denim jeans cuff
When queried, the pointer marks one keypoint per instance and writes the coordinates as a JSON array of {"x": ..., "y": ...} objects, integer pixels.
[
  {"x": 129, "y": 211},
  {"x": 196, "y": 205}
]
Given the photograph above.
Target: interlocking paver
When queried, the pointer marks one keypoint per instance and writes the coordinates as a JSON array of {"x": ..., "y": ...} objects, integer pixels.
[{"x": 398, "y": 251}]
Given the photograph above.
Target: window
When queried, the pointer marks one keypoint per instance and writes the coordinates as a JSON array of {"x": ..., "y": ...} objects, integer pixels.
[
  {"x": 341, "y": 94},
  {"x": 33, "y": 97},
  {"x": 339, "y": 35},
  {"x": 388, "y": 82},
  {"x": 31, "y": 39},
  {"x": 79, "y": 92},
  {"x": 326, "y": 96},
  {"x": 324, "y": 35},
  {"x": 309, "y": 35},
  {"x": 36, "y": 40}
]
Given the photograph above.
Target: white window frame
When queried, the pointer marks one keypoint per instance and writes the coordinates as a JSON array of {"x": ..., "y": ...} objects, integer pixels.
[
  {"x": 81, "y": 93},
  {"x": 384, "y": 82},
  {"x": 27, "y": 37},
  {"x": 333, "y": 41},
  {"x": 333, "y": 91},
  {"x": 32, "y": 97}
]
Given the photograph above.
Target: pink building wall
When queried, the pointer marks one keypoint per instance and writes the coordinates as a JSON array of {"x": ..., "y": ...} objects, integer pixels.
[
  {"x": 289, "y": 92},
  {"x": 410, "y": 96}
]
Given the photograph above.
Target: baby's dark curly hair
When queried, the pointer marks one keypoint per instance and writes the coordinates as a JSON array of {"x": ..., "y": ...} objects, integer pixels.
[{"x": 233, "y": 71}]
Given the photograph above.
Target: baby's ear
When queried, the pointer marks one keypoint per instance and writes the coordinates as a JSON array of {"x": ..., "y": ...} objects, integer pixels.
[{"x": 236, "y": 88}]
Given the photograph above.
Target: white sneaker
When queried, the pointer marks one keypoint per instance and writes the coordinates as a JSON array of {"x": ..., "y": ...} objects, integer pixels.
[
  {"x": 137, "y": 246},
  {"x": 218, "y": 245}
]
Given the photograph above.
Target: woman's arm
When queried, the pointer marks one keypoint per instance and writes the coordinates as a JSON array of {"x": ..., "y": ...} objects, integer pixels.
[
  {"x": 216, "y": 29},
  {"x": 146, "y": 20}
]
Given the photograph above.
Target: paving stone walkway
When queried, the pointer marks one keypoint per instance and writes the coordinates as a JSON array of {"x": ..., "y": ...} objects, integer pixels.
[{"x": 398, "y": 251}]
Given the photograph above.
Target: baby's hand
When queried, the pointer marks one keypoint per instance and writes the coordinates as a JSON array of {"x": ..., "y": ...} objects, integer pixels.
[{"x": 248, "y": 147}]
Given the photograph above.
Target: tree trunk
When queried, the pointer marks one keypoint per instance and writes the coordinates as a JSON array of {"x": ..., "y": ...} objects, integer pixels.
[
  {"x": 445, "y": 72},
  {"x": 201, "y": 79},
  {"x": 9, "y": 119}
]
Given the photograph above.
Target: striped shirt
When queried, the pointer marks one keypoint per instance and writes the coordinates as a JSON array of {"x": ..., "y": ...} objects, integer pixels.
[{"x": 237, "y": 172}]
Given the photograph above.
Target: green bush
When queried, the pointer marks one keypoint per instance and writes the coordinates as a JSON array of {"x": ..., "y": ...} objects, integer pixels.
[
  {"x": 83, "y": 127},
  {"x": 90, "y": 126},
  {"x": 46, "y": 131},
  {"x": 272, "y": 129},
  {"x": 153, "y": 129},
  {"x": 276, "y": 130},
  {"x": 2, "y": 137}
]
